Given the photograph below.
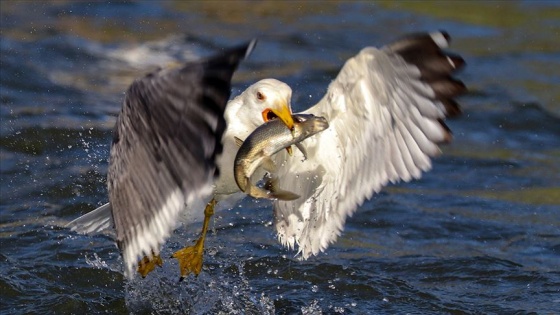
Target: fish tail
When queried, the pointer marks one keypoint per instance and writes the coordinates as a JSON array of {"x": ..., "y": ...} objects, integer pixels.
[
  {"x": 283, "y": 195},
  {"x": 257, "y": 192},
  {"x": 277, "y": 193},
  {"x": 271, "y": 191}
]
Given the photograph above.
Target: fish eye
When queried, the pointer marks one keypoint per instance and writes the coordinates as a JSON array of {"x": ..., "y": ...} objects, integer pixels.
[{"x": 260, "y": 96}]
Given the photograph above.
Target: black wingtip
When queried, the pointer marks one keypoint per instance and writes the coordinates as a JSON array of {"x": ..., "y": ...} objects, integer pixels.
[
  {"x": 457, "y": 61},
  {"x": 237, "y": 53},
  {"x": 250, "y": 47},
  {"x": 446, "y": 35},
  {"x": 452, "y": 108},
  {"x": 428, "y": 52}
]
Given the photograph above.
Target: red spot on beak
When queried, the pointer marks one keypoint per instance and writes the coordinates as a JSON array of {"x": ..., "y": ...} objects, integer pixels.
[{"x": 268, "y": 114}]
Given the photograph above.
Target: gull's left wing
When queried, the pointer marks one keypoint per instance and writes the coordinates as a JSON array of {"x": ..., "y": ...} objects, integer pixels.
[{"x": 165, "y": 143}]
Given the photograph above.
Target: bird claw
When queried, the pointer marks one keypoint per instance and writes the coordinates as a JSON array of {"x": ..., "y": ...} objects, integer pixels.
[
  {"x": 147, "y": 265},
  {"x": 190, "y": 258}
]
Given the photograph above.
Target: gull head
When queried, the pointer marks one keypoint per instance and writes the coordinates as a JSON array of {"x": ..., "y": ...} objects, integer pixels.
[{"x": 265, "y": 100}]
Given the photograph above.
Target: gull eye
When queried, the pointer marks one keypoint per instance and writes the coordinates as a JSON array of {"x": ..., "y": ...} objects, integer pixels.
[{"x": 260, "y": 96}]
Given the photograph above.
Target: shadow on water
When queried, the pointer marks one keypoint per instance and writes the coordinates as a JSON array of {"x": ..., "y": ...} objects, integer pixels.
[{"x": 479, "y": 234}]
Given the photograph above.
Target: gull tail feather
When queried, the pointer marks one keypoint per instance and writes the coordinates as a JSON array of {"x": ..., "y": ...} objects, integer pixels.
[{"x": 93, "y": 222}]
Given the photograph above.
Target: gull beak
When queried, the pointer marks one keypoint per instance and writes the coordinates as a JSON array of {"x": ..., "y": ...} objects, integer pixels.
[{"x": 284, "y": 113}]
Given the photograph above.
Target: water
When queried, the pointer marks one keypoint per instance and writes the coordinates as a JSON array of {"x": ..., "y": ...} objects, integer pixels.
[{"x": 480, "y": 234}]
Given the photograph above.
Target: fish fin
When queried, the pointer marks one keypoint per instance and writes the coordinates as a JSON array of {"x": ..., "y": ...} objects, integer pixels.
[
  {"x": 276, "y": 193},
  {"x": 302, "y": 150},
  {"x": 246, "y": 185},
  {"x": 256, "y": 192},
  {"x": 269, "y": 165},
  {"x": 238, "y": 141},
  {"x": 284, "y": 195},
  {"x": 289, "y": 150},
  {"x": 269, "y": 184}
]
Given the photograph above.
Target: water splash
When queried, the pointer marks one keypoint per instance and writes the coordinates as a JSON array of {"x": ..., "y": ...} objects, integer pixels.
[{"x": 222, "y": 287}]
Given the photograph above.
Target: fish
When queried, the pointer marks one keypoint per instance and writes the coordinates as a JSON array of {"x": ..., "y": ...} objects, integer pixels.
[{"x": 267, "y": 140}]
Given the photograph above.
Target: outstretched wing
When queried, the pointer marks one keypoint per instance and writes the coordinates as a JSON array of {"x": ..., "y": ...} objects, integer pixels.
[
  {"x": 386, "y": 109},
  {"x": 164, "y": 149}
]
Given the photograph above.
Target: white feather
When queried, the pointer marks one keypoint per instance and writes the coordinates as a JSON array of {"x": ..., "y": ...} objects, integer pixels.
[
  {"x": 92, "y": 222},
  {"x": 149, "y": 236}
]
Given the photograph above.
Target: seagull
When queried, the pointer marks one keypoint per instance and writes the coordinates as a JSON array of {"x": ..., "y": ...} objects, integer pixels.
[{"x": 386, "y": 111}]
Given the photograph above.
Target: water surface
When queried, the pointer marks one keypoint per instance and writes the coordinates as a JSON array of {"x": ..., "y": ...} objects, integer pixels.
[{"x": 479, "y": 234}]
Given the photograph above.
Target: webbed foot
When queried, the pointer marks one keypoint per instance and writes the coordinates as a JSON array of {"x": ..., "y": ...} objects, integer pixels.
[
  {"x": 190, "y": 258},
  {"x": 147, "y": 265}
]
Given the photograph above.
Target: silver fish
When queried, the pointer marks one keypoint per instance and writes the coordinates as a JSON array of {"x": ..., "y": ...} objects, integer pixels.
[{"x": 267, "y": 140}]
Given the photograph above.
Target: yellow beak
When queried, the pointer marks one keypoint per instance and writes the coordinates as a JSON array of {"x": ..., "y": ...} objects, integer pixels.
[{"x": 284, "y": 114}]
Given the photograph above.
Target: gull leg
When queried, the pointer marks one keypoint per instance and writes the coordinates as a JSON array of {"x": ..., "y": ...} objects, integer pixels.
[
  {"x": 190, "y": 258},
  {"x": 147, "y": 265}
]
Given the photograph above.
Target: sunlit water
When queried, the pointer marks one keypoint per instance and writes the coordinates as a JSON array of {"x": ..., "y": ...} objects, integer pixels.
[{"x": 479, "y": 234}]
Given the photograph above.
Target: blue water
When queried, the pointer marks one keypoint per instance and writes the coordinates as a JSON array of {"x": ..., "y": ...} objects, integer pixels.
[{"x": 479, "y": 234}]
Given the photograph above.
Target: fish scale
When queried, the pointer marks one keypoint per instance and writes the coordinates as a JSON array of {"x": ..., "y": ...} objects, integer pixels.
[{"x": 267, "y": 140}]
